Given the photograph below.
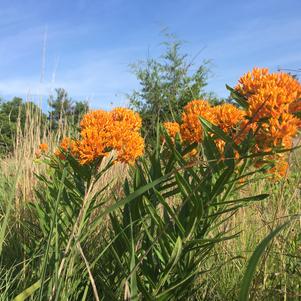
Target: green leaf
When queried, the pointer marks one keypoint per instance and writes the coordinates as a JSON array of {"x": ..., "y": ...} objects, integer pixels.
[
  {"x": 181, "y": 283},
  {"x": 221, "y": 183},
  {"x": 211, "y": 152},
  {"x": 170, "y": 211},
  {"x": 133, "y": 276},
  {"x": 251, "y": 268},
  {"x": 28, "y": 292},
  {"x": 217, "y": 131},
  {"x": 254, "y": 198},
  {"x": 174, "y": 258},
  {"x": 241, "y": 100},
  {"x": 5, "y": 222},
  {"x": 132, "y": 196},
  {"x": 47, "y": 251}
]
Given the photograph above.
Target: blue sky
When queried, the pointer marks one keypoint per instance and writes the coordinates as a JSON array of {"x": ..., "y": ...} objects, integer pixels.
[{"x": 90, "y": 43}]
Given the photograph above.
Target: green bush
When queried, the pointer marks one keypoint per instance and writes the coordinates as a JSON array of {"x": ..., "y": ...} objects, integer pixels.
[{"x": 167, "y": 84}]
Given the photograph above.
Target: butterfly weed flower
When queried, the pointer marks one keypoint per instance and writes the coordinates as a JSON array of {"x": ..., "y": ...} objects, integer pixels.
[
  {"x": 103, "y": 132},
  {"x": 125, "y": 136},
  {"x": 191, "y": 128},
  {"x": 67, "y": 145},
  {"x": 172, "y": 128},
  {"x": 95, "y": 136},
  {"x": 261, "y": 79},
  {"x": 227, "y": 116},
  {"x": 128, "y": 144},
  {"x": 272, "y": 99},
  {"x": 229, "y": 119},
  {"x": 42, "y": 149},
  {"x": 269, "y": 94},
  {"x": 126, "y": 118},
  {"x": 279, "y": 165}
]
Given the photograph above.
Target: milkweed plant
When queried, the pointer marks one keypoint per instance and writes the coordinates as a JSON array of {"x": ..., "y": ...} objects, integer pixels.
[{"x": 152, "y": 240}]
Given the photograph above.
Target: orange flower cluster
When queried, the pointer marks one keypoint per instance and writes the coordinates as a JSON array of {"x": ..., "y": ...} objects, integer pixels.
[
  {"x": 102, "y": 132},
  {"x": 283, "y": 88},
  {"x": 125, "y": 137},
  {"x": 272, "y": 99},
  {"x": 67, "y": 145},
  {"x": 95, "y": 136},
  {"x": 226, "y": 116},
  {"x": 280, "y": 166},
  {"x": 42, "y": 149},
  {"x": 172, "y": 128},
  {"x": 191, "y": 129},
  {"x": 230, "y": 119}
]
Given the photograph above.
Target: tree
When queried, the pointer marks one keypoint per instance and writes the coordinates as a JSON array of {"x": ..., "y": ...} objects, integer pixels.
[
  {"x": 16, "y": 113},
  {"x": 13, "y": 114},
  {"x": 61, "y": 107},
  {"x": 64, "y": 109},
  {"x": 79, "y": 109},
  {"x": 167, "y": 85}
]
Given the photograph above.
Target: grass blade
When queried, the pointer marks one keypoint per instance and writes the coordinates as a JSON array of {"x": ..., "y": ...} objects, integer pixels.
[{"x": 251, "y": 268}]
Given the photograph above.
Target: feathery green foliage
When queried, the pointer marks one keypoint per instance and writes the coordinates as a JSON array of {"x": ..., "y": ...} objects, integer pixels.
[{"x": 167, "y": 84}]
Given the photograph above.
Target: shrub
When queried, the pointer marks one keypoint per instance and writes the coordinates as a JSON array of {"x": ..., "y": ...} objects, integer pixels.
[{"x": 167, "y": 84}]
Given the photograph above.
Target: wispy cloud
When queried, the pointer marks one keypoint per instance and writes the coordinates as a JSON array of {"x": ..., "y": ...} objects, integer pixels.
[{"x": 100, "y": 77}]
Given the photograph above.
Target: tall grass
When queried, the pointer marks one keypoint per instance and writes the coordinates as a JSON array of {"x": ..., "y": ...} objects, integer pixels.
[
  {"x": 278, "y": 276},
  {"x": 23, "y": 160},
  {"x": 63, "y": 239}
]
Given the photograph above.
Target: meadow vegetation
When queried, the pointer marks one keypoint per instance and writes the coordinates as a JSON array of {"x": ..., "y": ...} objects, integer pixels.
[{"x": 206, "y": 208}]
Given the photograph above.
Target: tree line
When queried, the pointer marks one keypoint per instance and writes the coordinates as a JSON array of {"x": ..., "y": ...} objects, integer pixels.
[{"x": 13, "y": 115}]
